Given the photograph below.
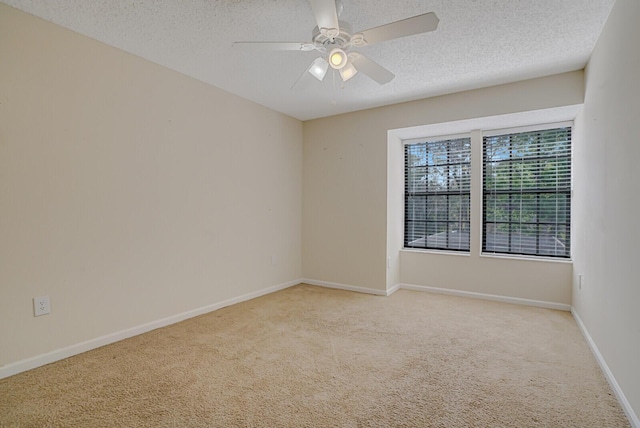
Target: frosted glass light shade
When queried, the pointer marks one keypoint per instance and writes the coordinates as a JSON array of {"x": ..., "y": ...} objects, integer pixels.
[{"x": 318, "y": 68}]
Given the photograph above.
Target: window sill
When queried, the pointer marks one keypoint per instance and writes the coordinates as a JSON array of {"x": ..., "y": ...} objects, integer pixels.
[
  {"x": 488, "y": 255},
  {"x": 432, "y": 251},
  {"x": 526, "y": 258}
]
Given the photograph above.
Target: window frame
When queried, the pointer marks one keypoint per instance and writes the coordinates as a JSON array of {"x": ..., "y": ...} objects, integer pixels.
[
  {"x": 476, "y": 128},
  {"x": 426, "y": 141},
  {"x": 568, "y": 193}
]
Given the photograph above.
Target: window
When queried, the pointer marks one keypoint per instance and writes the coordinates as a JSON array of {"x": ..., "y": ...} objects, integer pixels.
[
  {"x": 436, "y": 199},
  {"x": 527, "y": 193}
]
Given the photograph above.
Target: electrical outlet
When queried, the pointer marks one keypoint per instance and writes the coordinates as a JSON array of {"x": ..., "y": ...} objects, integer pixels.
[
  {"x": 41, "y": 306},
  {"x": 580, "y": 282},
  {"x": 274, "y": 260}
]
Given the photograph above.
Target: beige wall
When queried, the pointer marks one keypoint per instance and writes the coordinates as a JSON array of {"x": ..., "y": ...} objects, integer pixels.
[
  {"x": 350, "y": 227},
  {"x": 607, "y": 202},
  {"x": 130, "y": 193}
]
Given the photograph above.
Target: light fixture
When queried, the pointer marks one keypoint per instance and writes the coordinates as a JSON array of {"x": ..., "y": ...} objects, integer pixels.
[
  {"x": 337, "y": 58},
  {"x": 348, "y": 71},
  {"x": 318, "y": 68}
]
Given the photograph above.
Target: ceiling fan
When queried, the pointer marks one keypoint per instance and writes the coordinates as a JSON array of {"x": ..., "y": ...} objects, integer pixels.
[{"x": 334, "y": 39}]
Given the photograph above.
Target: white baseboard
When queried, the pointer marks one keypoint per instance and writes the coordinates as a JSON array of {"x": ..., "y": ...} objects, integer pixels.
[
  {"x": 622, "y": 399},
  {"x": 393, "y": 289},
  {"x": 59, "y": 354},
  {"x": 346, "y": 287},
  {"x": 494, "y": 297}
]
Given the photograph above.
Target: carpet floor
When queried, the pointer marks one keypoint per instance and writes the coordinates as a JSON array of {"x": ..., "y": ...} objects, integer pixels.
[{"x": 315, "y": 357}]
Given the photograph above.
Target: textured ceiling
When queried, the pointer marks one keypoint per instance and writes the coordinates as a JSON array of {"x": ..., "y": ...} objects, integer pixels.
[{"x": 478, "y": 43}]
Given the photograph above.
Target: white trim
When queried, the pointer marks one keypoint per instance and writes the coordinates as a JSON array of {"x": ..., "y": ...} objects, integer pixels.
[
  {"x": 78, "y": 348},
  {"x": 494, "y": 297},
  {"x": 347, "y": 287},
  {"x": 525, "y": 257},
  {"x": 622, "y": 399},
  {"x": 501, "y": 121},
  {"x": 393, "y": 289},
  {"x": 435, "y": 251}
]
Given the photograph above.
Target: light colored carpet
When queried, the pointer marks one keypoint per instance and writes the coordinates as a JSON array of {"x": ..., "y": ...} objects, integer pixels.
[{"x": 313, "y": 357}]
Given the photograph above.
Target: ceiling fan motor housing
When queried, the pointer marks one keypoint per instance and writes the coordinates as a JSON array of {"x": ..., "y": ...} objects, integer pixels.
[{"x": 341, "y": 40}]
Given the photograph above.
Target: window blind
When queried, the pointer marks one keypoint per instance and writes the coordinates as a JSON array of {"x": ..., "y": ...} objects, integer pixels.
[
  {"x": 527, "y": 193},
  {"x": 437, "y": 188}
]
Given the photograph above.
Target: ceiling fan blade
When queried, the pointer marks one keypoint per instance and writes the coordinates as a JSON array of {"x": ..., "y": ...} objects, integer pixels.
[
  {"x": 403, "y": 28},
  {"x": 326, "y": 17},
  {"x": 372, "y": 69},
  {"x": 274, "y": 46}
]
